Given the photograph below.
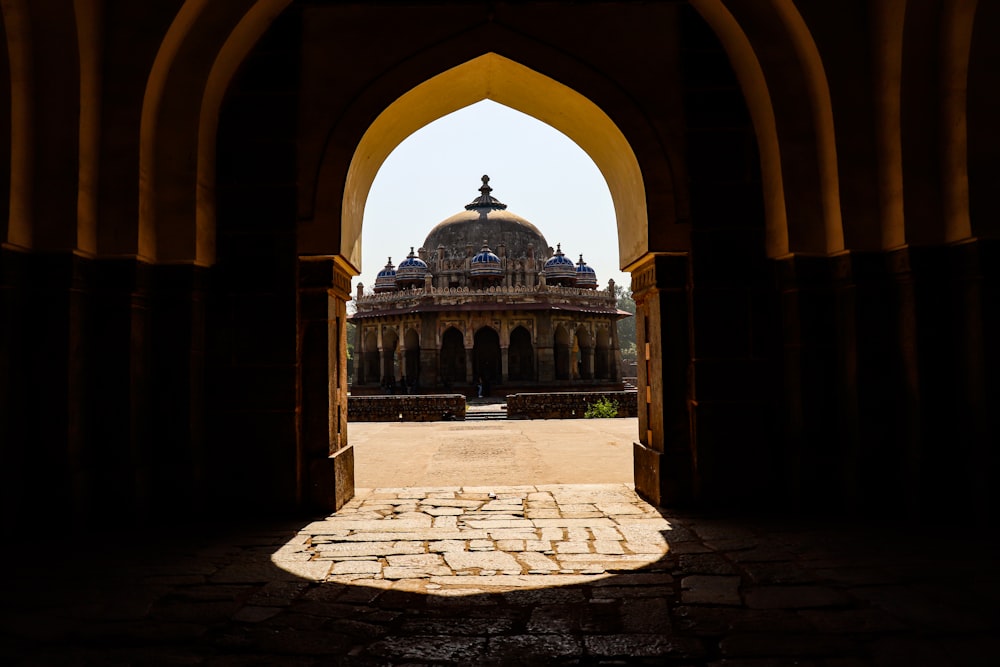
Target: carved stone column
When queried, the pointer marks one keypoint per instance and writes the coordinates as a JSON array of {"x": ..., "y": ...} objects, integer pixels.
[
  {"x": 326, "y": 458},
  {"x": 664, "y": 463}
]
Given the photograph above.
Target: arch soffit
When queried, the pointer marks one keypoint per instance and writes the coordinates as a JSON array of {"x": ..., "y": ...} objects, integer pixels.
[
  {"x": 507, "y": 83},
  {"x": 411, "y": 338},
  {"x": 193, "y": 68},
  {"x": 776, "y": 59},
  {"x": 983, "y": 133},
  {"x": 488, "y": 327},
  {"x": 956, "y": 49},
  {"x": 17, "y": 28},
  {"x": 520, "y": 327}
]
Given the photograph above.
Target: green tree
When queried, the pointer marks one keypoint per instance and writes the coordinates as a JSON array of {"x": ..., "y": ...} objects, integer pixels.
[{"x": 626, "y": 326}]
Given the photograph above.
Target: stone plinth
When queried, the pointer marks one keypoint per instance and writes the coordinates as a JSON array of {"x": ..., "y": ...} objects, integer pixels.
[
  {"x": 436, "y": 407},
  {"x": 567, "y": 404}
]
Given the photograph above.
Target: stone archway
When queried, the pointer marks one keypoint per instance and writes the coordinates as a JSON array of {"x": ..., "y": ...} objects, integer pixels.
[
  {"x": 457, "y": 72},
  {"x": 411, "y": 364},
  {"x": 219, "y": 250},
  {"x": 486, "y": 361},
  {"x": 521, "y": 356},
  {"x": 424, "y": 86},
  {"x": 452, "y": 359}
]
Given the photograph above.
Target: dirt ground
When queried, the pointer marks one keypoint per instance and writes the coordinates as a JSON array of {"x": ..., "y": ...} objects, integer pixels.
[{"x": 544, "y": 451}]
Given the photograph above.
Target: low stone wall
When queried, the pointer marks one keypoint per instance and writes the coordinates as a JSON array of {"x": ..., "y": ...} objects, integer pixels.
[
  {"x": 567, "y": 404},
  {"x": 429, "y": 408}
]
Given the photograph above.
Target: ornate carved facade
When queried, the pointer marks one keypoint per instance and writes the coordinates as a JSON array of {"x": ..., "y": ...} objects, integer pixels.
[{"x": 456, "y": 312}]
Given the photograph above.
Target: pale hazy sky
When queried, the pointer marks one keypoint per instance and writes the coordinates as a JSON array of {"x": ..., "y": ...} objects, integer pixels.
[{"x": 536, "y": 170}]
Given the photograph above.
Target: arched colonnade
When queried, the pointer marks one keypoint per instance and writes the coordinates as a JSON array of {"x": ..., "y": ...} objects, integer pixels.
[{"x": 809, "y": 221}]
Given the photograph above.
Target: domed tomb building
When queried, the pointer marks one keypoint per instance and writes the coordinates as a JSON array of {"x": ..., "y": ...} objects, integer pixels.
[{"x": 486, "y": 297}]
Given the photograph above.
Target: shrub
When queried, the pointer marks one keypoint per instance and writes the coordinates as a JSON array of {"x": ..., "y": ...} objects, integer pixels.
[{"x": 602, "y": 408}]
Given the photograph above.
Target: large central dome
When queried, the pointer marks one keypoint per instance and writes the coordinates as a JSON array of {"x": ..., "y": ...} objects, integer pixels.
[{"x": 487, "y": 220}]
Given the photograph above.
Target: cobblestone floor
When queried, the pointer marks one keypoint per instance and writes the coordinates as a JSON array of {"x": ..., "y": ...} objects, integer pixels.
[{"x": 506, "y": 575}]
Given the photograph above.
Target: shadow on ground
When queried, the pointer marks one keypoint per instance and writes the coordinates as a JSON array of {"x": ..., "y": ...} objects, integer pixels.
[{"x": 747, "y": 591}]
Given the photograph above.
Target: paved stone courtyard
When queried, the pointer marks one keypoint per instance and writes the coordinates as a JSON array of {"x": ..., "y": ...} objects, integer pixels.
[{"x": 505, "y": 575}]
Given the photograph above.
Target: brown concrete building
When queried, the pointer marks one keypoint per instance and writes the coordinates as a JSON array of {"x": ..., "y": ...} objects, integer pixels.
[
  {"x": 805, "y": 194},
  {"x": 455, "y": 315}
]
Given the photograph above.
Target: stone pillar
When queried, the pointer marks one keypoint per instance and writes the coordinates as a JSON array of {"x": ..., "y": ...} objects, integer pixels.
[
  {"x": 326, "y": 475},
  {"x": 615, "y": 354},
  {"x": 428, "y": 368},
  {"x": 664, "y": 463},
  {"x": 179, "y": 458},
  {"x": 504, "y": 373},
  {"x": 399, "y": 365},
  {"x": 813, "y": 461},
  {"x": 428, "y": 351},
  {"x": 360, "y": 354},
  {"x": 545, "y": 359}
]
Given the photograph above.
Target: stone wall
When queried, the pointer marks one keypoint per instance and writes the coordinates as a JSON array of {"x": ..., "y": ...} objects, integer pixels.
[
  {"x": 435, "y": 407},
  {"x": 566, "y": 404}
]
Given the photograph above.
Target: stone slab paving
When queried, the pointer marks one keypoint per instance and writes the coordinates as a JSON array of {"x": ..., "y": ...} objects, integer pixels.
[{"x": 383, "y": 583}]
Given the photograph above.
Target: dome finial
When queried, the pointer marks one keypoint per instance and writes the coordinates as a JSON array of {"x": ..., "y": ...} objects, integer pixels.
[{"x": 484, "y": 200}]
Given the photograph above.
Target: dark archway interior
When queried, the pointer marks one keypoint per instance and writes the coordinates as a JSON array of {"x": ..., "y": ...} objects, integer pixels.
[
  {"x": 453, "y": 357},
  {"x": 521, "y": 355},
  {"x": 486, "y": 356}
]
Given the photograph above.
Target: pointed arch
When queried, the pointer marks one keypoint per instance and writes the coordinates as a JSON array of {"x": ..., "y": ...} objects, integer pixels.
[
  {"x": 521, "y": 355},
  {"x": 451, "y": 368},
  {"x": 486, "y": 357},
  {"x": 502, "y": 80},
  {"x": 195, "y": 64},
  {"x": 783, "y": 80}
]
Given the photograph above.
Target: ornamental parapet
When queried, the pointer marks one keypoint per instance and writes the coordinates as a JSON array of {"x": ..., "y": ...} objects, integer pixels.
[{"x": 413, "y": 298}]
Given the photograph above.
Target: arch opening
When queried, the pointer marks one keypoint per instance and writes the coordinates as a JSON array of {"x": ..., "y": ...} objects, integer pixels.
[
  {"x": 521, "y": 355},
  {"x": 502, "y": 80},
  {"x": 452, "y": 364},
  {"x": 486, "y": 357}
]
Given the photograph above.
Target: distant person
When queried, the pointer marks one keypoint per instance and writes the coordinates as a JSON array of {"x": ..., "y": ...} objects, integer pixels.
[{"x": 479, "y": 387}]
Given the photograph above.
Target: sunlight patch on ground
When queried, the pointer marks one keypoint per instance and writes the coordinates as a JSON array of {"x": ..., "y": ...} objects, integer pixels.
[{"x": 458, "y": 541}]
